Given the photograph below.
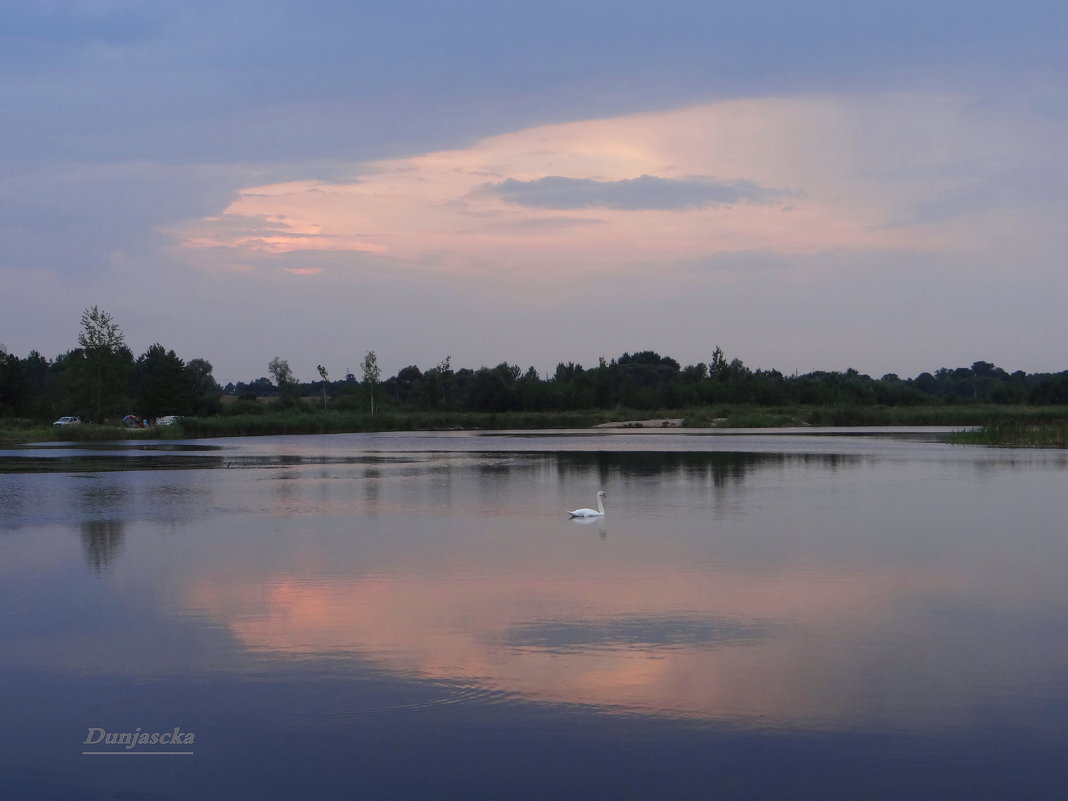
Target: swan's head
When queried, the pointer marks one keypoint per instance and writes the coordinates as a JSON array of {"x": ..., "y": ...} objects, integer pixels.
[{"x": 601, "y": 494}]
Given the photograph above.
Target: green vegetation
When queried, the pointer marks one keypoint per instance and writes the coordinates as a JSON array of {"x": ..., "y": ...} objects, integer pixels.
[
  {"x": 332, "y": 422},
  {"x": 269, "y": 419},
  {"x": 1009, "y": 426},
  {"x": 20, "y": 431},
  {"x": 646, "y": 382},
  {"x": 1016, "y": 434},
  {"x": 101, "y": 381}
]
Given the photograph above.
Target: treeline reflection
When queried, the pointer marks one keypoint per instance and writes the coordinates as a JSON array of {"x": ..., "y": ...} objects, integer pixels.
[{"x": 720, "y": 469}]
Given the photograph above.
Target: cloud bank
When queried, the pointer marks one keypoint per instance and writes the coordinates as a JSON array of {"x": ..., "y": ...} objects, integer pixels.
[
  {"x": 644, "y": 193},
  {"x": 563, "y": 201}
]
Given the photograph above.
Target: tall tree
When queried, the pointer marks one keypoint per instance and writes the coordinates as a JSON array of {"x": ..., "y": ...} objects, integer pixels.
[
  {"x": 13, "y": 389},
  {"x": 162, "y": 384},
  {"x": 206, "y": 390},
  {"x": 443, "y": 372},
  {"x": 371, "y": 374},
  {"x": 718, "y": 363},
  {"x": 105, "y": 361},
  {"x": 323, "y": 376},
  {"x": 283, "y": 379}
]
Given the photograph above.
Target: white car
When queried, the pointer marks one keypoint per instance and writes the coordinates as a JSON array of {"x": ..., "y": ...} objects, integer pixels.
[
  {"x": 67, "y": 421},
  {"x": 167, "y": 420}
]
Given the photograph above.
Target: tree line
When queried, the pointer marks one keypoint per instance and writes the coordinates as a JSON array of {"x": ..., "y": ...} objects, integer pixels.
[
  {"x": 101, "y": 379},
  {"x": 649, "y": 381}
]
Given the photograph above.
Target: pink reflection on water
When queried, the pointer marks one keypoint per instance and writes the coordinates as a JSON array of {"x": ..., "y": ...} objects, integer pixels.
[{"x": 778, "y": 646}]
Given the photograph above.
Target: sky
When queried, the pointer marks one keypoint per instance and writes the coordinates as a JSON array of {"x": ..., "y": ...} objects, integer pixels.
[{"x": 808, "y": 186}]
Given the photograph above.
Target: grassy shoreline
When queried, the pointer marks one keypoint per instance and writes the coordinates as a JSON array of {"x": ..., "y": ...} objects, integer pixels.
[
  {"x": 1016, "y": 435},
  {"x": 1042, "y": 426}
]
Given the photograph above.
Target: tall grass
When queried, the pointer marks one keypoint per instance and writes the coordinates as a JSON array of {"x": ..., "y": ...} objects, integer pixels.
[
  {"x": 12, "y": 432},
  {"x": 1016, "y": 435}
]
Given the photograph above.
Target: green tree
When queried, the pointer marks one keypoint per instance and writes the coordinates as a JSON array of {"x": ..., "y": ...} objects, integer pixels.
[
  {"x": 493, "y": 390},
  {"x": 647, "y": 380},
  {"x": 162, "y": 384},
  {"x": 371, "y": 374},
  {"x": 207, "y": 394},
  {"x": 105, "y": 362},
  {"x": 13, "y": 384},
  {"x": 284, "y": 380},
  {"x": 718, "y": 363},
  {"x": 407, "y": 385},
  {"x": 41, "y": 384}
]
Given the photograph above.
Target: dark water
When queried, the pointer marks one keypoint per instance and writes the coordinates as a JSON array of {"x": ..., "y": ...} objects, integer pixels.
[{"x": 413, "y": 616}]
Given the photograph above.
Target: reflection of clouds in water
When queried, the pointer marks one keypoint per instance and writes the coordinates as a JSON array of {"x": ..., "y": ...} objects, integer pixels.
[
  {"x": 639, "y": 632},
  {"x": 811, "y": 603},
  {"x": 769, "y": 643}
]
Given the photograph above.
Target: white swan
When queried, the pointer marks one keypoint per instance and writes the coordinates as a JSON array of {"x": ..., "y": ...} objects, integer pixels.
[{"x": 598, "y": 512}]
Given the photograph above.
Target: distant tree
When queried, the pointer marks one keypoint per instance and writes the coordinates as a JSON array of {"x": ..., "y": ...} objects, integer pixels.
[
  {"x": 647, "y": 380},
  {"x": 493, "y": 390},
  {"x": 531, "y": 391},
  {"x": 1051, "y": 390},
  {"x": 13, "y": 389},
  {"x": 161, "y": 383},
  {"x": 258, "y": 388},
  {"x": 565, "y": 373},
  {"x": 407, "y": 385},
  {"x": 40, "y": 385},
  {"x": 443, "y": 371},
  {"x": 371, "y": 374},
  {"x": 206, "y": 391},
  {"x": 284, "y": 380},
  {"x": 718, "y": 363},
  {"x": 99, "y": 331},
  {"x": 323, "y": 375},
  {"x": 105, "y": 362}
]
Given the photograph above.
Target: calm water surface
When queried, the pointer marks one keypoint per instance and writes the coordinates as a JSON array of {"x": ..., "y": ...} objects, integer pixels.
[{"x": 760, "y": 615}]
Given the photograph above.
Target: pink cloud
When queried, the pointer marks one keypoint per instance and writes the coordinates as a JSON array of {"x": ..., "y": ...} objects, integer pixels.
[
  {"x": 442, "y": 628},
  {"x": 446, "y": 210}
]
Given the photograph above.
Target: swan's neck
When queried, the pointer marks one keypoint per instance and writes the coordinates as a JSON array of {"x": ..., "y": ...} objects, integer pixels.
[{"x": 600, "y": 504}]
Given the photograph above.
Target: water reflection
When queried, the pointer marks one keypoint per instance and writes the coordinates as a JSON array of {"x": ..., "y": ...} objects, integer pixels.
[
  {"x": 570, "y": 636},
  {"x": 103, "y": 541},
  {"x": 599, "y": 524},
  {"x": 96, "y": 496},
  {"x": 885, "y": 592},
  {"x": 729, "y": 645}
]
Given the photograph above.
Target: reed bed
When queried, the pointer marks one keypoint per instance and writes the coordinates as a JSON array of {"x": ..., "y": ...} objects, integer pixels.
[{"x": 1016, "y": 435}]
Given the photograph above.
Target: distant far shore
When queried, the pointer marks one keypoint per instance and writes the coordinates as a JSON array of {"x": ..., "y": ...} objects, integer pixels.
[
  {"x": 658, "y": 422},
  {"x": 1018, "y": 419}
]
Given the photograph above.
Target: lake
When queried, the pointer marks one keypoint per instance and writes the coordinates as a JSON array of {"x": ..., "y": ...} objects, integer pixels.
[{"x": 842, "y": 613}]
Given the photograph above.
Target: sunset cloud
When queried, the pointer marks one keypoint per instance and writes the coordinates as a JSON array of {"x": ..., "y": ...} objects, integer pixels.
[
  {"x": 516, "y": 163},
  {"x": 646, "y": 192},
  {"x": 628, "y": 194}
]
